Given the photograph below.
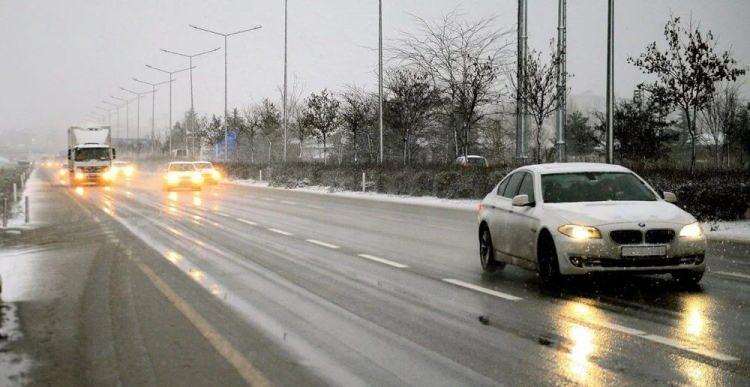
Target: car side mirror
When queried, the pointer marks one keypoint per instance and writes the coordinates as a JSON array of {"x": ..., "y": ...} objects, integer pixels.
[
  {"x": 114, "y": 153},
  {"x": 69, "y": 153},
  {"x": 521, "y": 201},
  {"x": 669, "y": 197}
]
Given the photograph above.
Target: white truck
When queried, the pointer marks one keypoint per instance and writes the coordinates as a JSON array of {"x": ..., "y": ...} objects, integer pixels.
[{"x": 90, "y": 155}]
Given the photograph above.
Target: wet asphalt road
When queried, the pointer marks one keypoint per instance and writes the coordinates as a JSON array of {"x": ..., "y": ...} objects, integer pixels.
[{"x": 287, "y": 286}]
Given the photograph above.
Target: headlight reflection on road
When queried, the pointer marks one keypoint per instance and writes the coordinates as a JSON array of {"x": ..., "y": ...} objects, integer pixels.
[
  {"x": 79, "y": 191},
  {"x": 582, "y": 347},
  {"x": 694, "y": 318},
  {"x": 197, "y": 201},
  {"x": 174, "y": 257},
  {"x": 172, "y": 196}
]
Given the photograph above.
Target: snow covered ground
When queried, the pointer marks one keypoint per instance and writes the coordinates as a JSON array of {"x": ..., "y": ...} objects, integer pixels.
[
  {"x": 731, "y": 231},
  {"x": 431, "y": 201}
]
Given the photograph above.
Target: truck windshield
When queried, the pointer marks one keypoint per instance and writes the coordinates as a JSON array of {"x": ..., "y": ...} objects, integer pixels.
[
  {"x": 85, "y": 154},
  {"x": 594, "y": 187}
]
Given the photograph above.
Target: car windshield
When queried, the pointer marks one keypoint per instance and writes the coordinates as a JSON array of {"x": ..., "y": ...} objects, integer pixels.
[
  {"x": 594, "y": 187},
  {"x": 85, "y": 154},
  {"x": 181, "y": 167},
  {"x": 475, "y": 161},
  {"x": 203, "y": 165}
]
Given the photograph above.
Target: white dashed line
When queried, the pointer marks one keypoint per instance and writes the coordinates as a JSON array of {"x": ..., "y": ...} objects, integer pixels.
[
  {"x": 383, "y": 261},
  {"x": 282, "y": 232},
  {"x": 324, "y": 244},
  {"x": 482, "y": 290},
  {"x": 731, "y": 274},
  {"x": 269, "y": 199},
  {"x": 246, "y": 221},
  {"x": 289, "y": 202},
  {"x": 222, "y": 214}
]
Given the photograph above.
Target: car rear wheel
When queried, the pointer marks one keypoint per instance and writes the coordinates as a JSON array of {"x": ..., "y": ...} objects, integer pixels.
[
  {"x": 487, "y": 252},
  {"x": 687, "y": 277},
  {"x": 549, "y": 268}
]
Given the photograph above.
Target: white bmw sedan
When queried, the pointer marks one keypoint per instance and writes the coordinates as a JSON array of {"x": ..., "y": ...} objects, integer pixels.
[{"x": 578, "y": 218}]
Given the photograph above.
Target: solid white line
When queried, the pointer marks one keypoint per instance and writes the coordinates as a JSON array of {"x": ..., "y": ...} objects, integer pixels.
[
  {"x": 731, "y": 274},
  {"x": 482, "y": 290},
  {"x": 679, "y": 345},
  {"x": 246, "y": 221},
  {"x": 282, "y": 232},
  {"x": 383, "y": 261},
  {"x": 324, "y": 244}
]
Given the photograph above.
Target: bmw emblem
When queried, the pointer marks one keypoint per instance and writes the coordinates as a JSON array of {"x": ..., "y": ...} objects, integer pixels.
[{"x": 642, "y": 224}]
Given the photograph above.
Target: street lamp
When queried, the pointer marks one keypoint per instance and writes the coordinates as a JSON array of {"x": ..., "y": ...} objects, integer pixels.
[
  {"x": 226, "y": 113},
  {"x": 153, "y": 108},
  {"x": 170, "y": 73},
  {"x": 117, "y": 108},
  {"x": 127, "y": 113},
  {"x": 138, "y": 115},
  {"x": 380, "y": 75}
]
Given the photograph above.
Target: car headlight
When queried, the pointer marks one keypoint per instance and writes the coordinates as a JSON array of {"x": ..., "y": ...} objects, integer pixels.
[
  {"x": 197, "y": 178},
  {"x": 216, "y": 175},
  {"x": 692, "y": 231},
  {"x": 172, "y": 178},
  {"x": 579, "y": 233}
]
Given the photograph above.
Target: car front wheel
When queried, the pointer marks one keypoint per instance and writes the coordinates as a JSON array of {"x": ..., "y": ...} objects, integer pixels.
[
  {"x": 487, "y": 252},
  {"x": 549, "y": 268}
]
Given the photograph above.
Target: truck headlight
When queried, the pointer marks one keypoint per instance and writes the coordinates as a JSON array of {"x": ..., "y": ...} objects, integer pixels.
[
  {"x": 107, "y": 175},
  {"x": 692, "y": 231},
  {"x": 129, "y": 171},
  {"x": 78, "y": 175},
  {"x": 579, "y": 233}
]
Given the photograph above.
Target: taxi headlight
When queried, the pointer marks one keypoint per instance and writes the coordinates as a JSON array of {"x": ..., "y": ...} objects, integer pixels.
[
  {"x": 579, "y": 233},
  {"x": 692, "y": 231},
  {"x": 172, "y": 178},
  {"x": 196, "y": 178}
]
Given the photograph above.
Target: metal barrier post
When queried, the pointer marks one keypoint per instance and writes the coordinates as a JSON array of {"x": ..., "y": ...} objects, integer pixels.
[{"x": 26, "y": 208}]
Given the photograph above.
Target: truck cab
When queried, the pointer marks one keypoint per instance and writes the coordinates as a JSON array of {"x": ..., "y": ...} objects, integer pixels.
[{"x": 90, "y": 156}]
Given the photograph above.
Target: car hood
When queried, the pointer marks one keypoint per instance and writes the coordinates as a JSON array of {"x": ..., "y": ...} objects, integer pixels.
[{"x": 601, "y": 213}]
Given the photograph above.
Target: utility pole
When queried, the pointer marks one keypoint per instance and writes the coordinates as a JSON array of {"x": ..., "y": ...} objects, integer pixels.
[
  {"x": 153, "y": 109},
  {"x": 610, "y": 80},
  {"x": 170, "y": 80},
  {"x": 380, "y": 75},
  {"x": 226, "y": 112},
  {"x": 521, "y": 81},
  {"x": 285, "y": 77},
  {"x": 561, "y": 80},
  {"x": 191, "y": 123}
]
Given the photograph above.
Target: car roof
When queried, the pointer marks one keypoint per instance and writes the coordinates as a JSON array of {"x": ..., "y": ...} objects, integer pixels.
[
  {"x": 180, "y": 162},
  {"x": 201, "y": 162},
  {"x": 544, "y": 169}
]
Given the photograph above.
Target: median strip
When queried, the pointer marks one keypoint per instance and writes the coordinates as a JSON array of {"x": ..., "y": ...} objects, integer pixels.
[{"x": 480, "y": 289}]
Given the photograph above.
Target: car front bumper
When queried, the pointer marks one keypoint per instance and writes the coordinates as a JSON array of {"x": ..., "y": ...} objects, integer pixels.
[{"x": 605, "y": 255}]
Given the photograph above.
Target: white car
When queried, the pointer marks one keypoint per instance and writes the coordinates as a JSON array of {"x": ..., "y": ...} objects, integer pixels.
[
  {"x": 578, "y": 218},
  {"x": 210, "y": 174},
  {"x": 182, "y": 175}
]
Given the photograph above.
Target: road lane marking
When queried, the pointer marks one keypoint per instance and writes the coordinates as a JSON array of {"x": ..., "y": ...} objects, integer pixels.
[
  {"x": 382, "y": 260},
  {"x": 282, "y": 232},
  {"x": 247, "y": 371},
  {"x": 731, "y": 274},
  {"x": 246, "y": 221},
  {"x": 289, "y": 202},
  {"x": 269, "y": 199},
  {"x": 679, "y": 345},
  {"x": 222, "y": 214},
  {"x": 480, "y": 289},
  {"x": 320, "y": 243}
]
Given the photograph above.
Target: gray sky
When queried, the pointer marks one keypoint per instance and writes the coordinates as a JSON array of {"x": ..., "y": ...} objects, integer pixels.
[{"x": 61, "y": 58}]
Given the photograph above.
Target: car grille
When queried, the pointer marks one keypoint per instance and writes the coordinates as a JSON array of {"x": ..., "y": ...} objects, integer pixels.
[
  {"x": 626, "y": 237},
  {"x": 659, "y": 236},
  {"x": 92, "y": 169}
]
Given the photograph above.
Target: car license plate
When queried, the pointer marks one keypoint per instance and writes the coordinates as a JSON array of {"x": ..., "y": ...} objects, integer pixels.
[{"x": 643, "y": 251}]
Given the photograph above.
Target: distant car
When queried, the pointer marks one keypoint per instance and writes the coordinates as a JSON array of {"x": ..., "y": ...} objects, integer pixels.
[
  {"x": 123, "y": 169},
  {"x": 578, "y": 218},
  {"x": 210, "y": 174},
  {"x": 472, "y": 161},
  {"x": 182, "y": 175}
]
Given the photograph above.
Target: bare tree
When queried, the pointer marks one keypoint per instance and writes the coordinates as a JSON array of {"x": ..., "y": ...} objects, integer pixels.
[
  {"x": 686, "y": 72},
  {"x": 357, "y": 114},
  {"x": 720, "y": 116},
  {"x": 270, "y": 122},
  {"x": 322, "y": 115},
  {"x": 463, "y": 60},
  {"x": 250, "y": 128},
  {"x": 412, "y": 99},
  {"x": 538, "y": 92}
]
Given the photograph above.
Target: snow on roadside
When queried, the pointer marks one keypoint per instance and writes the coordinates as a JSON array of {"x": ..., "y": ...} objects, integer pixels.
[
  {"x": 729, "y": 231},
  {"x": 429, "y": 201}
]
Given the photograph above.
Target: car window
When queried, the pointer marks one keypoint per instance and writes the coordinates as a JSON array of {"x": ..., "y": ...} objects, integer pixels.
[
  {"x": 594, "y": 187},
  {"x": 527, "y": 186},
  {"x": 181, "y": 167},
  {"x": 513, "y": 183},
  {"x": 501, "y": 187}
]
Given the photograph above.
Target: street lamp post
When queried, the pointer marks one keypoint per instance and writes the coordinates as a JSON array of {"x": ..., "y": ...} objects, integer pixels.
[
  {"x": 170, "y": 80},
  {"x": 190, "y": 57},
  {"x": 153, "y": 109},
  {"x": 117, "y": 108},
  {"x": 380, "y": 75},
  {"x": 226, "y": 113},
  {"x": 285, "y": 86},
  {"x": 138, "y": 115},
  {"x": 127, "y": 113},
  {"x": 610, "y": 80}
]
